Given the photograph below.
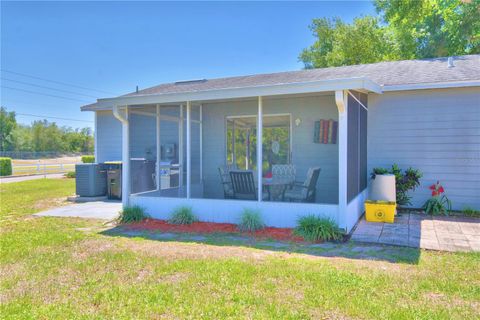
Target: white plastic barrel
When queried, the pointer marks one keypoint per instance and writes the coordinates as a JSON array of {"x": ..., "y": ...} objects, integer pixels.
[{"x": 383, "y": 188}]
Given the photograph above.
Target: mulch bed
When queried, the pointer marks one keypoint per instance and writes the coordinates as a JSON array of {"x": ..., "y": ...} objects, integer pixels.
[{"x": 280, "y": 234}]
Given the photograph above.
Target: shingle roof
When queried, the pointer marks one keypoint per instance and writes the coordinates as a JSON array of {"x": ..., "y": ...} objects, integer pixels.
[{"x": 466, "y": 68}]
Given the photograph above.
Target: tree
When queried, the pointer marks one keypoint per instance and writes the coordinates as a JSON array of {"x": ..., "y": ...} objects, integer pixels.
[
  {"x": 338, "y": 43},
  {"x": 8, "y": 122},
  {"x": 410, "y": 29},
  {"x": 433, "y": 28}
]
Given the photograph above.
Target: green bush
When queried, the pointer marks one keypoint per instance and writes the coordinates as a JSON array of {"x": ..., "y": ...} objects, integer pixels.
[
  {"x": 132, "y": 214},
  {"x": 88, "y": 159},
  {"x": 182, "y": 215},
  {"x": 404, "y": 181},
  {"x": 70, "y": 174},
  {"x": 250, "y": 221},
  {"x": 315, "y": 228},
  {"x": 5, "y": 166},
  {"x": 470, "y": 212}
]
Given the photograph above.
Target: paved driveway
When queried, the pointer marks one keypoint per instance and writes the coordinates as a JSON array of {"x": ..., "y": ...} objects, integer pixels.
[
  {"x": 107, "y": 210},
  {"x": 421, "y": 231}
]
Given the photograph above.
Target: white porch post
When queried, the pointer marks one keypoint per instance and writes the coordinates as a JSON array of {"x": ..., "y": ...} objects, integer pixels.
[
  {"x": 159, "y": 149},
  {"x": 259, "y": 147},
  {"x": 342, "y": 106},
  {"x": 201, "y": 143},
  {"x": 95, "y": 138},
  {"x": 189, "y": 152}
]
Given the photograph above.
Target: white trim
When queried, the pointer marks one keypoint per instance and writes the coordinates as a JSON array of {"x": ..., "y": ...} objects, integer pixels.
[
  {"x": 260, "y": 147},
  {"x": 189, "y": 147},
  {"x": 355, "y": 83},
  {"x": 201, "y": 142},
  {"x": 276, "y": 214},
  {"x": 340, "y": 101},
  {"x": 95, "y": 138},
  {"x": 342, "y": 105},
  {"x": 354, "y": 210},
  {"x": 125, "y": 154},
  {"x": 431, "y": 85}
]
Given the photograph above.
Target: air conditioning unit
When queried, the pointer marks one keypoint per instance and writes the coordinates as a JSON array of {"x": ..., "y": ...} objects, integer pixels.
[{"x": 91, "y": 179}]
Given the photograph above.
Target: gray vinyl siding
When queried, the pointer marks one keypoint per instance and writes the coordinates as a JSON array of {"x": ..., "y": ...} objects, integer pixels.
[
  {"x": 143, "y": 143},
  {"x": 109, "y": 137},
  {"x": 305, "y": 153},
  {"x": 435, "y": 131}
]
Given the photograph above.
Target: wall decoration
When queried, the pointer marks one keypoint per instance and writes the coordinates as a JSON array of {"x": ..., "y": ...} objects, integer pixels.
[{"x": 325, "y": 131}]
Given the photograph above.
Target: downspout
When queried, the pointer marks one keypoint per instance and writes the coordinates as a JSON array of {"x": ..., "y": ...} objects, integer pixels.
[{"x": 125, "y": 153}]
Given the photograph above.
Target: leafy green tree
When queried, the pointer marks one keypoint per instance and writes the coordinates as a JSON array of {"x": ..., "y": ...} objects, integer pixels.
[
  {"x": 433, "y": 28},
  {"x": 408, "y": 29},
  {"x": 43, "y": 136},
  {"x": 338, "y": 43},
  {"x": 8, "y": 123}
]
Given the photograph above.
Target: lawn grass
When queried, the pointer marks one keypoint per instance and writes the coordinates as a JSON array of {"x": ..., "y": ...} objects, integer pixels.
[
  {"x": 68, "y": 268},
  {"x": 26, "y": 197}
]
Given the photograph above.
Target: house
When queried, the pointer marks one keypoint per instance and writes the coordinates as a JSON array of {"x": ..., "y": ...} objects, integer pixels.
[{"x": 326, "y": 128}]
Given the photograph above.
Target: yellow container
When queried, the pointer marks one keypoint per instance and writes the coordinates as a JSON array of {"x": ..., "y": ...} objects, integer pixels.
[{"x": 380, "y": 211}]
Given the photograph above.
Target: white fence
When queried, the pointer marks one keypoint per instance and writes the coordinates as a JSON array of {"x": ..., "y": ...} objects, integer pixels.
[{"x": 42, "y": 168}]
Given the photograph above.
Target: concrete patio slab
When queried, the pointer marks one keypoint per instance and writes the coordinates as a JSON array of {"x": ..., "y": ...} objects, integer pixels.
[
  {"x": 106, "y": 210},
  {"x": 426, "y": 232}
]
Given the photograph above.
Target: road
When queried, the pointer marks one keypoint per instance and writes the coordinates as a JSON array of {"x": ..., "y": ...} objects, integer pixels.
[{"x": 25, "y": 178}]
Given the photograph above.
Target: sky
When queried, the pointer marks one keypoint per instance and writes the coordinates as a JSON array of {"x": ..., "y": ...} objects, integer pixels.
[{"x": 58, "y": 56}]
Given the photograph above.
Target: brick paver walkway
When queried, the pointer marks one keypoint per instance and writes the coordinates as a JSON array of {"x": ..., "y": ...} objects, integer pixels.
[{"x": 422, "y": 231}]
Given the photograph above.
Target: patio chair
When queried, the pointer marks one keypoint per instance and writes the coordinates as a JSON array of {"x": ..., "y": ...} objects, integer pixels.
[
  {"x": 243, "y": 184},
  {"x": 226, "y": 181},
  {"x": 304, "y": 191},
  {"x": 287, "y": 171},
  {"x": 284, "y": 170}
]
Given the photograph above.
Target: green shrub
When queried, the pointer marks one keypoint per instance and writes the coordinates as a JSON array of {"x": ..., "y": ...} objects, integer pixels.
[
  {"x": 88, "y": 159},
  {"x": 404, "y": 181},
  {"x": 250, "y": 221},
  {"x": 182, "y": 215},
  {"x": 132, "y": 214},
  {"x": 70, "y": 174},
  {"x": 5, "y": 166},
  {"x": 315, "y": 228},
  {"x": 470, "y": 212}
]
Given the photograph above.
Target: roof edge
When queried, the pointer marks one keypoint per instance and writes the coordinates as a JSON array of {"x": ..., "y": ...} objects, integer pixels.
[
  {"x": 432, "y": 85},
  {"x": 356, "y": 83}
]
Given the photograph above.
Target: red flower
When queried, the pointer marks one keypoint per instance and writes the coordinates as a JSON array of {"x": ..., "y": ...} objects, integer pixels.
[
  {"x": 441, "y": 190},
  {"x": 434, "y": 193},
  {"x": 432, "y": 187}
]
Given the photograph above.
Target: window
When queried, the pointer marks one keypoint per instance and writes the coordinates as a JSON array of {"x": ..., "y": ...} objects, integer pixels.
[{"x": 241, "y": 137}]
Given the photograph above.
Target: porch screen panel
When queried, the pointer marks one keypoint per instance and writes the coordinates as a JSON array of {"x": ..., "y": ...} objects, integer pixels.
[
  {"x": 352, "y": 149},
  {"x": 143, "y": 150},
  {"x": 172, "y": 158},
  {"x": 196, "y": 189},
  {"x": 357, "y": 145},
  {"x": 363, "y": 147}
]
